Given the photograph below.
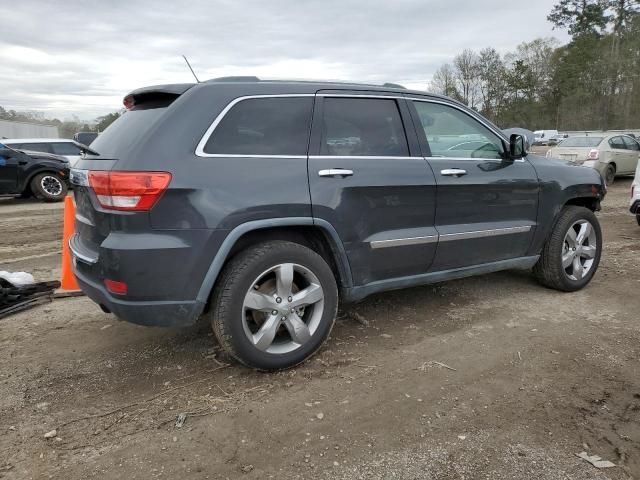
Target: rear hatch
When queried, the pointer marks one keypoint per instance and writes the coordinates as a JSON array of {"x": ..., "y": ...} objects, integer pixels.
[{"x": 98, "y": 212}]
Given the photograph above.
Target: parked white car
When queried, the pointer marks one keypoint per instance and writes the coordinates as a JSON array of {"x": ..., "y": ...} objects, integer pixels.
[
  {"x": 634, "y": 203},
  {"x": 611, "y": 154},
  {"x": 542, "y": 137},
  {"x": 69, "y": 149}
]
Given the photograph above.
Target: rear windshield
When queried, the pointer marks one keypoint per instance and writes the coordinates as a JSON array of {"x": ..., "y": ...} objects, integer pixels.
[
  {"x": 581, "y": 142},
  {"x": 125, "y": 131}
]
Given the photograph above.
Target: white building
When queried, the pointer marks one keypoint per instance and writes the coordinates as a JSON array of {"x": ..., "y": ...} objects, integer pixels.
[{"x": 9, "y": 129}]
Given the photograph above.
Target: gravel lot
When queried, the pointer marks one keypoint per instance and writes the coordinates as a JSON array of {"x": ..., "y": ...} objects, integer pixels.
[{"x": 492, "y": 377}]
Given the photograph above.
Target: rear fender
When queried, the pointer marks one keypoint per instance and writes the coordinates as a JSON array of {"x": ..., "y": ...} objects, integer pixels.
[{"x": 227, "y": 245}]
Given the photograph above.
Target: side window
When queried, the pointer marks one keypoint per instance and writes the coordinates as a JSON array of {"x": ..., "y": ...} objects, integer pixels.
[
  {"x": 65, "y": 148},
  {"x": 264, "y": 126},
  {"x": 617, "y": 143},
  {"x": 362, "y": 127},
  {"x": 631, "y": 144},
  {"x": 452, "y": 133},
  {"x": 35, "y": 147}
]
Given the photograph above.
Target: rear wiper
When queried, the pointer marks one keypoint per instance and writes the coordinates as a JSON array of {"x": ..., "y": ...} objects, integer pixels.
[{"x": 85, "y": 149}]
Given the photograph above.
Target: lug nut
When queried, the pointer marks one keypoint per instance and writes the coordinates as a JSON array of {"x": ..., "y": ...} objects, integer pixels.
[
  {"x": 293, "y": 310},
  {"x": 289, "y": 299},
  {"x": 278, "y": 300},
  {"x": 283, "y": 318},
  {"x": 274, "y": 312}
]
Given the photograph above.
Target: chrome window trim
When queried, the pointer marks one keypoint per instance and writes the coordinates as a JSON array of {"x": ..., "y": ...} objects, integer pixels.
[
  {"x": 447, "y": 237},
  {"x": 355, "y": 95},
  {"x": 357, "y": 157},
  {"x": 401, "y": 242},
  {"x": 205, "y": 138}
]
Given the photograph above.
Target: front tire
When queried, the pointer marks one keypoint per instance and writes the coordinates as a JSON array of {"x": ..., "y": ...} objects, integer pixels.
[
  {"x": 49, "y": 187},
  {"x": 571, "y": 255},
  {"x": 274, "y": 305}
]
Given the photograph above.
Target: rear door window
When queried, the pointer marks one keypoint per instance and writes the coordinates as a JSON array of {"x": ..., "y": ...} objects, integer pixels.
[
  {"x": 362, "y": 127},
  {"x": 264, "y": 126},
  {"x": 617, "y": 143},
  {"x": 65, "y": 148}
]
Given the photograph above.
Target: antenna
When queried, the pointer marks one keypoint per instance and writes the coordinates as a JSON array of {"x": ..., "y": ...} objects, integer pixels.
[{"x": 189, "y": 65}]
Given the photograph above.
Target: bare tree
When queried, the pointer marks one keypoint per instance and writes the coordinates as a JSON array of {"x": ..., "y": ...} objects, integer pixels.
[
  {"x": 468, "y": 76},
  {"x": 444, "y": 82}
]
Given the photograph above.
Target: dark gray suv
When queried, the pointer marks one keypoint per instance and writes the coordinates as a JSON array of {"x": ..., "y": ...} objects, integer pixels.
[{"x": 260, "y": 204}]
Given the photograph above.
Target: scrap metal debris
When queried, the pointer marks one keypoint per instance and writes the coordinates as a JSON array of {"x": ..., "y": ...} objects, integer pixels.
[
  {"x": 180, "y": 420},
  {"x": 595, "y": 460},
  {"x": 18, "y": 292}
]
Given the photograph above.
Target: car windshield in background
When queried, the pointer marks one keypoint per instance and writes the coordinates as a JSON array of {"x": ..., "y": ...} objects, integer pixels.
[{"x": 581, "y": 142}]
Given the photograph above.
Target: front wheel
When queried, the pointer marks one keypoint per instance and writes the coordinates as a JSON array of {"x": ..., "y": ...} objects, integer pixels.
[
  {"x": 571, "y": 256},
  {"x": 49, "y": 187},
  {"x": 274, "y": 305}
]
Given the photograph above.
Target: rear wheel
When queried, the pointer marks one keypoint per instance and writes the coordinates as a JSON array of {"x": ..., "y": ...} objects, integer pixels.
[
  {"x": 49, "y": 187},
  {"x": 610, "y": 174},
  {"x": 570, "y": 257},
  {"x": 274, "y": 305},
  {"x": 638, "y": 219}
]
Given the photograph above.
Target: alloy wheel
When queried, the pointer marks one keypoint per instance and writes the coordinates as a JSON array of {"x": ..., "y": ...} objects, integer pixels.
[
  {"x": 579, "y": 250},
  {"x": 52, "y": 185},
  {"x": 283, "y": 308}
]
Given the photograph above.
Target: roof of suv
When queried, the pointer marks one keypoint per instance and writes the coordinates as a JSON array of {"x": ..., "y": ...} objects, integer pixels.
[{"x": 309, "y": 85}]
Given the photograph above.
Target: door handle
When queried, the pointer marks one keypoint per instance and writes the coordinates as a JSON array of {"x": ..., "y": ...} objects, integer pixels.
[
  {"x": 453, "y": 172},
  {"x": 335, "y": 172}
]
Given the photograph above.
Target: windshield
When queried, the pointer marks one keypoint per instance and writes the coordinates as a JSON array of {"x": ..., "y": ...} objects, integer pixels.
[
  {"x": 581, "y": 142},
  {"x": 120, "y": 136}
]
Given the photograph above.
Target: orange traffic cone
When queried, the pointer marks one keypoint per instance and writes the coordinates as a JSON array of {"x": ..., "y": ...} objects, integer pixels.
[{"x": 68, "y": 280}]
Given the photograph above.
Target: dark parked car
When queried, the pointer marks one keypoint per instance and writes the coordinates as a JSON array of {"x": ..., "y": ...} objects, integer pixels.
[
  {"x": 260, "y": 204},
  {"x": 85, "y": 138},
  {"x": 25, "y": 173}
]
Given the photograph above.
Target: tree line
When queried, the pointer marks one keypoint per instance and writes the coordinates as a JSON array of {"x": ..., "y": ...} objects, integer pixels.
[
  {"x": 66, "y": 128},
  {"x": 593, "y": 82}
]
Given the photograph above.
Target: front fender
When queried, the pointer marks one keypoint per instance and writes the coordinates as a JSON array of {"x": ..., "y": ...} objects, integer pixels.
[{"x": 562, "y": 184}]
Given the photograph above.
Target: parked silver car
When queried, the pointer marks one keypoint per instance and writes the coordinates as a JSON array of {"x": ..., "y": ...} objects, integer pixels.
[{"x": 610, "y": 154}]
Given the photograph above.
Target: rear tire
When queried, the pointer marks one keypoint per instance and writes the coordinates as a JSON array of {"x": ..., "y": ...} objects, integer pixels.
[
  {"x": 569, "y": 262},
  {"x": 638, "y": 219},
  {"x": 610, "y": 174},
  {"x": 49, "y": 187},
  {"x": 260, "y": 323}
]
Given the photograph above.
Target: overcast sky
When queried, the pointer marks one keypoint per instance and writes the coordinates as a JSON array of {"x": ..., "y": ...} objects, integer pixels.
[{"x": 81, "y": 57}]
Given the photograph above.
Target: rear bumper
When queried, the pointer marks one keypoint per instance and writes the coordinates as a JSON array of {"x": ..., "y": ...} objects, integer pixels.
[
  {"x": 152, "y": 314},
  {"x": 159, "y": 313}
]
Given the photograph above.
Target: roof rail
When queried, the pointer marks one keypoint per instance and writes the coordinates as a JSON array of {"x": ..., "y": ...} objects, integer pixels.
[{"x": 239, "y": 78}]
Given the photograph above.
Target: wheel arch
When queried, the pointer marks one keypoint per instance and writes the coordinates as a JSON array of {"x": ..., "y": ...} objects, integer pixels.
[{"x": 314, "y": 233}]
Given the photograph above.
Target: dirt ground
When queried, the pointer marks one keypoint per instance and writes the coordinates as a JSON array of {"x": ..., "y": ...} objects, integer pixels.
[{"x": 493, "y": 377}]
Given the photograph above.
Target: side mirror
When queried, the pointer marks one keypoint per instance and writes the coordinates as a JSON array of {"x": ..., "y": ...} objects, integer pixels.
[{"x": 517, "y": 147}]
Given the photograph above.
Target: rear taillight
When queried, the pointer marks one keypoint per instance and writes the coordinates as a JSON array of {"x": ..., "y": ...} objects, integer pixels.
[
  {"x": 594, "y": 154},
  {"x": 129, "y": 191}
]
